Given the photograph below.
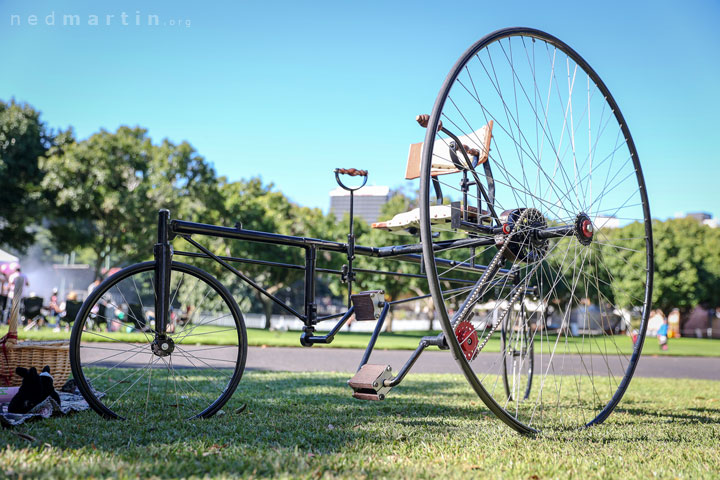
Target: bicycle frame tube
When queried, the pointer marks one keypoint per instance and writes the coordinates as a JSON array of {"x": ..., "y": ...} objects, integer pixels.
[
  {"x": 163, "y": 261},
  {"x": 408, "y": 253},
  {"x": 168, "y": 229}
]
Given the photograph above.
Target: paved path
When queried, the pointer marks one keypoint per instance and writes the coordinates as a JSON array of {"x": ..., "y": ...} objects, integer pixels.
[{"x": 346, "y": 360}]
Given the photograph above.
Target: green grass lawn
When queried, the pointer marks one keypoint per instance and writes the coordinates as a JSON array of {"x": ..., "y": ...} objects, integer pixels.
[
  {"x": 699, "y": 347},
  {"x": 298, "y": 425}
]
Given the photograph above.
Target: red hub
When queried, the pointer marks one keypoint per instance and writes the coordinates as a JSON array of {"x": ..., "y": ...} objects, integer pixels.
[
  {"x": 584, "y": 230},
  {"x": 468, "y": 339}
]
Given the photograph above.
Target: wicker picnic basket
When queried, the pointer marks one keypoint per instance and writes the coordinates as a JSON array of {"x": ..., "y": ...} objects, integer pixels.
[{"x": 54, "y": 353}]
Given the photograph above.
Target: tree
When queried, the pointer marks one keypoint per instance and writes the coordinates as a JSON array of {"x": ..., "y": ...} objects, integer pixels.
[
  {"x": 687, "y": 264},
  {"x": 106, "y": 192},
  {"x": 23, "y": 139},
  {"x": 260, "y": 207}
]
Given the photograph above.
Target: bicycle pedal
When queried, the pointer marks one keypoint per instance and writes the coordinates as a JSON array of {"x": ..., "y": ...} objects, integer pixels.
[
  {"x": 368, "y": 382},
  {"x": 368, "y": 304}
]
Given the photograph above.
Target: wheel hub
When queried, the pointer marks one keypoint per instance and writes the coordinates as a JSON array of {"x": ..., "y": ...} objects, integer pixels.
[
  {"x": 584, "y": 230},
  {"x": 525, "y": 245},
  {"x": 162, "y": 346},
  {"x": 468, "y": 339}
]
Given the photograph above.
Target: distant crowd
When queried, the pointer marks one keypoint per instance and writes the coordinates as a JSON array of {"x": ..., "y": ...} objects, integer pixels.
[{"x": 34, "y": 311}]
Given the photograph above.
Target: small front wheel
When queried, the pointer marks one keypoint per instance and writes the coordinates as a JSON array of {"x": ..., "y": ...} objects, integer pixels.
[
  {"x": 125, "y": 369},
  {"x": 518, "y": 354}
]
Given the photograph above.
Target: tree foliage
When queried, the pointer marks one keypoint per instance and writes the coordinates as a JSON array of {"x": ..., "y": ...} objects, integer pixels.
[
  {"x": 687, "y": 264},
  {"x": 260, "y": 207},
  {"x": 24, "y": 138},
  {"x": 106, "y": 191}
]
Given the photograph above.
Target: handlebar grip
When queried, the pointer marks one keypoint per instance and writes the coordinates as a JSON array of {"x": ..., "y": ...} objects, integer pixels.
[
  {"x": 424, "y": 119},
  {"x": 472, "y": 151},
  {"x": 353, "y": 172}
]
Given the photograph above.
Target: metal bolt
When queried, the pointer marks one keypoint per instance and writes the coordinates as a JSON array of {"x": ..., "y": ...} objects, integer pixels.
[
  {"x": 376, "y": 384},
  {"x": 165, "y": 346},
  {"x": 377, "y": 315}
]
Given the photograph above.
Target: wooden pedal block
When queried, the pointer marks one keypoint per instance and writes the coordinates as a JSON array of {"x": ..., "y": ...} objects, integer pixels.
[
  {"x": 368, "y": 304},
  {"x": 369, "y": 382}
]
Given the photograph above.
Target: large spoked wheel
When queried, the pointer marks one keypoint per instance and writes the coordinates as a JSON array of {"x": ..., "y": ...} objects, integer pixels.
[
  {"x": 517, "y": 349},
  {"x": 124, "y": 370},
  {"x": 559, "y": 216}
]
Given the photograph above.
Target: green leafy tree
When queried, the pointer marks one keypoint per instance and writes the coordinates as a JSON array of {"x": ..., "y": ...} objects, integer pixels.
[
  {"x": 23, "y": 140},
  {"x": 258, "y": 207},
  {"x": 106, "y": 192},
  {"x": 687, "y": 264}
]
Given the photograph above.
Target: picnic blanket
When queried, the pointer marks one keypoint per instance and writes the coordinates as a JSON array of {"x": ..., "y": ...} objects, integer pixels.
[{"x": 71, "y": 402}]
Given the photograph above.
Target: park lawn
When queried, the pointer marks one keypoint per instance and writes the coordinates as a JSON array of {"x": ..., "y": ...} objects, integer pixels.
[
  {"x": 302, "y": 425},
  {"x": 698, "y": 347}
]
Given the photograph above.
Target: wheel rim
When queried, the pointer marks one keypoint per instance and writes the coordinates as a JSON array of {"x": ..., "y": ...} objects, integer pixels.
[
  {"x": 570, "y": 166},
  {"x": 517, "y": 350},
  {"x": 192, "y": 372}
]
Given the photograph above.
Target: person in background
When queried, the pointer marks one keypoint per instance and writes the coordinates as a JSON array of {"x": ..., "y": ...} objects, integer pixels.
[
  {"x": 4, "y": 287},
  {"x": 54, "y": 306},
  {"x": 674, "y": 323},
  {"x": 17, "y": 276},
  {"x": 92, "y": 286},
  {"x": 662, "y": 335},
  {"x": 655, "y": 321},
  {"x": 4, "y": 284}
]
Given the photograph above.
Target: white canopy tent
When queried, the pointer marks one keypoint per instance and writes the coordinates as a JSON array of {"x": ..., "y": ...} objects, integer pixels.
[{"x": 5, "y": 257}]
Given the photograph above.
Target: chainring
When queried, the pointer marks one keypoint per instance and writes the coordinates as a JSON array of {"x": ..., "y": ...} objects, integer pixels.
[{"x": 467, "y": 337}]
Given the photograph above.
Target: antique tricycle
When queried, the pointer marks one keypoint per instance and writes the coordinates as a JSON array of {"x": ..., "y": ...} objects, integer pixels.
[{"x": 532, "y": 217}]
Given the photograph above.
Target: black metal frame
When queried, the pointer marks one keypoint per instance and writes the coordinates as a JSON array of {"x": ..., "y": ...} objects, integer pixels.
[
  {"x": 406, "y": 253},
  {"x": 169, "y": 229}
]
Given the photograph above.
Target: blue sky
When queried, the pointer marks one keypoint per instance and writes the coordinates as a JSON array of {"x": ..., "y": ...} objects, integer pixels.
[{"x": 289, "y": 90}]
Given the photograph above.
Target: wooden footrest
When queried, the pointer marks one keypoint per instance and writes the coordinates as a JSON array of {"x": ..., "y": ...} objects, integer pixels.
[
  {"x": 368, "y": 382},
  {"x": 368, "y": 304}
]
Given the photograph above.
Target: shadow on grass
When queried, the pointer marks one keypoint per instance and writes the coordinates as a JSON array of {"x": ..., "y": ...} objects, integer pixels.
[
  {"x": 313, "y": 412},
  {"x": 684, "y": 418},
  {"x": 308, "y": 425}
]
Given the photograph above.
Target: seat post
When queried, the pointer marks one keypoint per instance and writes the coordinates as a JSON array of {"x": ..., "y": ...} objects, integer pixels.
[
  {"x": 348, "y": 274},
  {"x": 351, "y": 248}
]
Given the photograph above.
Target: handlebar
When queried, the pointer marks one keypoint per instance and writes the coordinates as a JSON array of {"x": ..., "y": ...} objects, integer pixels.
[
  {"x": 424, "y": 119},
  {"x": 353, "y": 172},
  {"x": 472, "y": 151}
]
